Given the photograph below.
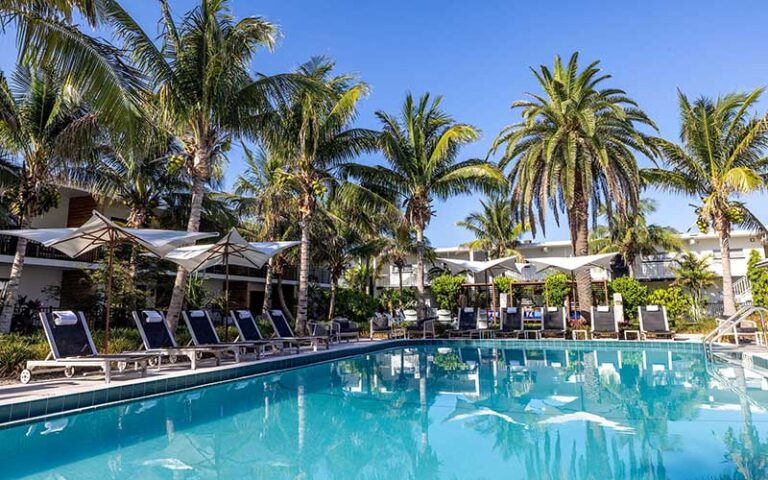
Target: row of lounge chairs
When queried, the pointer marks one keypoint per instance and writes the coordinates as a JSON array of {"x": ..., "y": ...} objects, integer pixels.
[
  {"x": 539, "y": 322},
  {"x": 72, "y": 345}
]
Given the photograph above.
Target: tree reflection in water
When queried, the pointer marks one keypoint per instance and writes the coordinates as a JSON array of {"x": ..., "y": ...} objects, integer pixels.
[{"x": 426, "y": 413}]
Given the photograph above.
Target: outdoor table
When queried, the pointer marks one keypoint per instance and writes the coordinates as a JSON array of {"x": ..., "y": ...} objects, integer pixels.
[{"x": 576, "y": 333}]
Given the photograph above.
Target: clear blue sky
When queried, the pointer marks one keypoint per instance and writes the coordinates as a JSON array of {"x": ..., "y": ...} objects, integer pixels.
[{"x": 477, "y": 54}]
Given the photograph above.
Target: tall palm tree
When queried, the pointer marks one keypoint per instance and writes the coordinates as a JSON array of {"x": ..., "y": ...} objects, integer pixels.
[
  {"x": 48, "y": 38},
  {"x": 493, "y": 227},
  {"x": 313, "y": 134},
  {"x": 573, "y": 152},
  {"x": 265, "y": 194},
  {"x": 47, "y": 128},
  {"x": 694, "y": 274},
  {"x": 631, "y": 236},
  {"x": 203, "y": 88},
  {"x": 421, "y": 148},
  {"x": 720, "y": 158}
]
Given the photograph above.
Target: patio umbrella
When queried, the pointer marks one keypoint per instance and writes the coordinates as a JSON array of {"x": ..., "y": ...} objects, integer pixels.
[
  {"x": 101, "y": 231},
  {"x": 573, "y": 265},
  {"x": 231, "y": 249},
  {"x": 477, "y": 266}
]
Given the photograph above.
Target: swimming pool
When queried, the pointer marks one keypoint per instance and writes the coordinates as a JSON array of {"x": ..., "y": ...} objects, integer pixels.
[{"x": 426, "y": 412}]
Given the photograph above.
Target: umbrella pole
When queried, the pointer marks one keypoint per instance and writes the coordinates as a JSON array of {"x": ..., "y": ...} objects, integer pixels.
[
  {"x": 605, "y": 290},
  {"x": 108, "y": 308},
  {"x": 226, "y": 298}
]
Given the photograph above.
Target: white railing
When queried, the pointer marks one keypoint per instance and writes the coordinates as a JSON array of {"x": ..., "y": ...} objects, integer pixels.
[
  {"x": 730, "y": 325},
  {"x": 742, "y": 290}
]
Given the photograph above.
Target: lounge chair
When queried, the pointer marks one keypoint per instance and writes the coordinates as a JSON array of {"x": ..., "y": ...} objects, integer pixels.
[
  {"x": 553, "y": 321},
  {"x": 511, "y": 323},
  {"x": 421, "y": 329},
  {"x": 604, "y": 323},
  {"x": 283, "y": 331},
  {"x": 72, "y": 347},
  {"x": 157, "y": 338},
  {"x": 248, "y": 330},
  {"x": 466, "y": 323},
  {"x": 204, "y": 334},
  {"x": 653, "y": 322},
  {"x": 379, "y": 324},
  {"x": 343, "y": 329}
]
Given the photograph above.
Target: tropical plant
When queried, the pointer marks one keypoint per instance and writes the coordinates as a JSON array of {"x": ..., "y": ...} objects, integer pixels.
[
  {"x": 392, "y": 299},
  {"x": 446, "y": 289},
  {"x": 631, "y": 236},
  {"x": 693, "y": 273},
  {"x": 556, "y": 289},
  {"x": 494, "y": 230},
  {"x": 421, "y": 148},
  {"x": 397, "y": 248},
  {"x": 203, "y": 90},
  {"x": 45, "y": 126},
  {"x": 719, "y": 159},
  {"x": 633, "y": 295},
  {"x": 574, "y": 152},
  {"x": 312, "y": 134},
  {"x": 47, "y": 38},
  {"x": 758, "y": 280},
  {"x": 674, "y": 300},
  {"x": 266, "y": 195}
]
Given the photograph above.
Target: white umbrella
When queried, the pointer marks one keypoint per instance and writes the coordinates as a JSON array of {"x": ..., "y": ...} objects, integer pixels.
[
  {"x": 101, "y": 231},
  {"x": 477, "y": 266},
  {"x": 231, "y": 249},
  {"x": 574, "y": 265}
]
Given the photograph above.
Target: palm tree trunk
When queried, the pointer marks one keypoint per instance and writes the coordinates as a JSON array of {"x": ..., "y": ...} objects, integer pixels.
[
  {"x": 193, "y": 225},
  {"x": 332, "y": 301},
  {"x": 12, "y": 288},
  {"x": 301, "y": 311},
  {"x": 400, "y": 281},
  {"x": 729, "y": 300},
  {"x": 267, "y": 288},
  {"x": 420, "y": 270},
  {"x": 281, "y": 299},
  {"x": 579, "y": 225}
]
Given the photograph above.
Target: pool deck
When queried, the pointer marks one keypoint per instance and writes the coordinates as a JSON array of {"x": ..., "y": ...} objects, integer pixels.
[{"x": 58, "y": 395}]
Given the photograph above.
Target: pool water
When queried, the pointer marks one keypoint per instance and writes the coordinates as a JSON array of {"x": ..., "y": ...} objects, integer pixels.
[{"x": 426, "y": 413}]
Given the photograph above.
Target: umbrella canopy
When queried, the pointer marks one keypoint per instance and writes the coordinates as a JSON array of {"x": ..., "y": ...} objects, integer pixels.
[
  {"x": 231, "y": 249},
  {"x": 99, "y": 230},
  {"x": 476, "y": 266},
  {"x": 573, "y": 264}
]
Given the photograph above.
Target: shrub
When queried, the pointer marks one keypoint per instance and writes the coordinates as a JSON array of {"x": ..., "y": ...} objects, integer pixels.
[
  {"x": 556, "y": 289},
  {"x": 758, "y": 279},
  {"x": 445, "y": 289},
  {"x": 391, "y": 298},
  {"x": 502, "y": 284},
  {"x": 677, "y": 303},
  {"x": 14, "y": 351},
  {"x": 633, "y": 294},
  {"x": 355, "y": 305}
]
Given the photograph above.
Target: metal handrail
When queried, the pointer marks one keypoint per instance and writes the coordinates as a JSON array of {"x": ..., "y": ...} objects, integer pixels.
[{"x": 729, "y": 325}]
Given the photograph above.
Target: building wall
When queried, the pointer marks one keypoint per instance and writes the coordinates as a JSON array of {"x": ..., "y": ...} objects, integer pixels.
[{"x": 34, "y": 281}]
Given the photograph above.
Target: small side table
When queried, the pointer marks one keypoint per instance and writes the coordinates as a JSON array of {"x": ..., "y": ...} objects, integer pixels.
[
  {"x": 576, "y": 333},
  {"x": 536, "y": 334},
  {"x": 636, "y": 333},
  {"x": 398, "y": 333}
]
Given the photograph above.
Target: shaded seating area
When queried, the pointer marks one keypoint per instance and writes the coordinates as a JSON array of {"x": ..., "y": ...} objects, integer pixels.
[
  {"x": 248, "y": 329},
  {"x": 204, "y": 334},
  {"x": 284, "y": 332},
  {"x": 72, "y": 349}
]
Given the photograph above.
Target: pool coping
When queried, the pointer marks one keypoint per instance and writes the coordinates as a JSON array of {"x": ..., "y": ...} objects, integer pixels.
[{"x": 104, "y": 395}]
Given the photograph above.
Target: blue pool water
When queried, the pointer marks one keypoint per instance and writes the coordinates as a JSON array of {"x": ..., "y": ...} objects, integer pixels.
[{"x": 426, "y": 413}]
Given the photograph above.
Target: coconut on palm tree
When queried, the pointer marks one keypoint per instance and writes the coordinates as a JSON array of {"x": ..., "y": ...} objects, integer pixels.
[
  {"x": 203, "y": 90},
  {"x": 631, "y": 236},
  {"x": 45, "y": 125},
  {"x": 719, "y": 159},
  {"x": 573, "y": 152},
  {"x": 421, "y": 147},
  {"x": 313, "y": 134},
  {"x": 494, "y": 230}
]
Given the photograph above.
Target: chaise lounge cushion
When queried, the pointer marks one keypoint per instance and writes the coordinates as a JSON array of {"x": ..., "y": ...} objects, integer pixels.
[{"x": 65, "y": 317}]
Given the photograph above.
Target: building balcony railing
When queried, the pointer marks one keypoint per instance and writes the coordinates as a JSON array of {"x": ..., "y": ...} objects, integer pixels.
[
  {"x": 316, "y": 275},
  {"x": 37, "y": 250}
]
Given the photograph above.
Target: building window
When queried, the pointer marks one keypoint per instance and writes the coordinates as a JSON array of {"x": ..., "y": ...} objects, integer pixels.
[{"x": 735, "y": 253}]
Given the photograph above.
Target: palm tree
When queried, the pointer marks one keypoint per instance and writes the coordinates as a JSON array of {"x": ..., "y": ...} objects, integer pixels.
[
  {"x": 632, "y": 236},
  {"x": 494, "y": 230},
  {"x": 263, "y": 193},
  {"x": 573, "y": 152},
  {"x": 313, "y": 134},
  {"x": 203, "y": 89},
  {"x": 719, "y": 158},
  {"x": 693, "y": 274},
  {"x": 48, "y": 38},
  {"x": 396, "y": 249},
  {"x": 46, "y": 126},
  {"x": 421, "y": 147}
]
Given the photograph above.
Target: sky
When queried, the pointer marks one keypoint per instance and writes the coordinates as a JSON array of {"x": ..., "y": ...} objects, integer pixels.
[{"x": 477, "y": 55}]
